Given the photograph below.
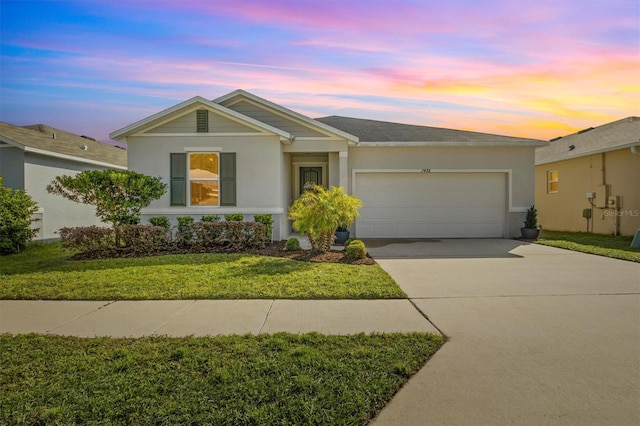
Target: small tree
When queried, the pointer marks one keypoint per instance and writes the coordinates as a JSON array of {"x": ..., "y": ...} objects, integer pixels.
[
  {"x": 318, "y": 212},
  {"x": 16, "y": 214},
  {"x": 118, "y": 195},
  {"x": 531, "y": 220}
]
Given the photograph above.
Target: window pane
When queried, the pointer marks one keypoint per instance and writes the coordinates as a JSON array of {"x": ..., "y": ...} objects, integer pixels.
[
  {"x": 553, "y": 175},
  {"x": 204, "y": 193},
  {"x": 203, "y": 166},
  {"x": 553, "y": 186}
]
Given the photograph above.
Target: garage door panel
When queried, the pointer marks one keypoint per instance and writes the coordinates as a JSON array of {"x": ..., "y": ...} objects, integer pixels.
[{"x": 431, "y": 205}]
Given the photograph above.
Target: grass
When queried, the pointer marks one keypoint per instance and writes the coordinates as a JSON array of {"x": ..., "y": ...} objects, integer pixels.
[
  {"x": 618, "y": 247},
  {"x": 44, "y": 271},
  {"x": 226, "y": 380}
]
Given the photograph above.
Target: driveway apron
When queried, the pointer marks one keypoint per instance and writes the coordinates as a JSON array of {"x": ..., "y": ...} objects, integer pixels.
[{"x": 537, "y": 335}]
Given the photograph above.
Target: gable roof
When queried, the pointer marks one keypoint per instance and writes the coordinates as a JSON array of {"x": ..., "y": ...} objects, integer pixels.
[
  {"x": 191, "y": 105},
  {"x": 47, "y": 140},
  {"x": 384, "y": 133},
  {"x": 239, "y": 94},
  {"x": 612, "y": 136}
]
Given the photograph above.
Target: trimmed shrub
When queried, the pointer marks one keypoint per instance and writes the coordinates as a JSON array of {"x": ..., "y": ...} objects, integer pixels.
[
  {"x": 16, "y": 211},
  {"x": 346, "y": 243},
  {"x": 208, "y": 234},
  {"x": 210, "y": 218},
  {"x": 233, "y": 235},
  {"x": 245, "y": 234},
  {"x": 144, "y": 239},
  {"x": 356, "y": 250},
  {"x": 185, "y": 234},
  {"x": 267, "y": 221},
  {"x": 162, "y": 221},
  {"x": 292, "y": 244},
  {"x": 88, "y": 238},
  {"x": 234, "y": 217}
]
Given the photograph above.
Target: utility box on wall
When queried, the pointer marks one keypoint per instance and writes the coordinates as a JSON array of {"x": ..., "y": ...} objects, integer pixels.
[{"x": 614, "y": 202}]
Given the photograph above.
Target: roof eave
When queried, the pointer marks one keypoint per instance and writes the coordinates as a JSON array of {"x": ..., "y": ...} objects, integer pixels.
[
  {"x": 286, "y": 111},
  {"x": 12, "y": 142},
  {"x": 587, "y": 153},
  {"x": 523, "y": 143},
  {"x": 131, "y": 129}
]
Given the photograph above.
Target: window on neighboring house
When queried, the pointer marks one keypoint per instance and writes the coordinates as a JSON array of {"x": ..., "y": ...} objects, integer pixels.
[
  {"x": 210, "y": 178},
  {"x": 202, "y": 121},
  {"x": 552, "y": 181}
]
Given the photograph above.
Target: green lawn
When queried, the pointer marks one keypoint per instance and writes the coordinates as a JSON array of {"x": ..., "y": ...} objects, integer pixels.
[
  {"x": 617, "y": 247},
  {"x": 226, "y": 380},
  {"x": 44, "y": 271}
]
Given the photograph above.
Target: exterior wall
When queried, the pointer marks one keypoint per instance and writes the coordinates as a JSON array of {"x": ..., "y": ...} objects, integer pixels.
[
  {"x": 275, "y": 120},
  {"x": 562, "y": 211},
  {"x": 55, "y": 211},
  {"x": 12, "y": 166},
  {"x": 259, "y": 173},
  {"x": 187, "y": 124},
  {"x": 518, "y": 160}
]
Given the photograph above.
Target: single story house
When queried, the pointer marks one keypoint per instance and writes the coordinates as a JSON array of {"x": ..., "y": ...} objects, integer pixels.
[
  {"x": 32, "y": 156},
  {"x": 590, "y": 180},
  {"x": 244, "y": 154}
]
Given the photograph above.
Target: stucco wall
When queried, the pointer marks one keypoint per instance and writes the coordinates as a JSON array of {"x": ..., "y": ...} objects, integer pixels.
[
  {"x": 519, "y": 160},
  {"x": 562, "y": 211},
  {"x": 57, "y": 212},
  {"x": 12, "y": 166},
  {"x": 259, "y": 172}
]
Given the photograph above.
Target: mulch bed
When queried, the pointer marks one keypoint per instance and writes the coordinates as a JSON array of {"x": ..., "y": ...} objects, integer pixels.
[{"x": 275, "y": 249}]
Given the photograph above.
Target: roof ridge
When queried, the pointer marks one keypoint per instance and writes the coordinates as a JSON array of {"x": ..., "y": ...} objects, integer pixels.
[{"x": 421, "y": 126}]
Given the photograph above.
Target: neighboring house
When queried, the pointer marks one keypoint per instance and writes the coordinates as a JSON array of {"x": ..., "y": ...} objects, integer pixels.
[
  {"x": 593, "y": 172},
  {"x": 32, "y": 156},
  {"x": 241, "y": 153}
]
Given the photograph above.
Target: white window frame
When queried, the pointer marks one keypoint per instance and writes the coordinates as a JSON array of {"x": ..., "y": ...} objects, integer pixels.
[
  {"x": 189, "y": 178},
  {"x": 556, "y": 181}
]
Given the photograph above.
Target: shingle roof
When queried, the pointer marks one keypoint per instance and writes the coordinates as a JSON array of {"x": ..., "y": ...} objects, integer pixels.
[
  {"x": 396, "y": 133},
  {"x": 608, "y": 137},
  {"x": 41, "y": 137}
]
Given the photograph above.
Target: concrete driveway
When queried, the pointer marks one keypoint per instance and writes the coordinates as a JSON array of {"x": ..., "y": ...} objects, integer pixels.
[{"x": 537, "y": 335}]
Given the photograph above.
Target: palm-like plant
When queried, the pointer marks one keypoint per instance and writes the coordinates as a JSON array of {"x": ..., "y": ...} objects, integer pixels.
[{"x": 319, "y": 212}]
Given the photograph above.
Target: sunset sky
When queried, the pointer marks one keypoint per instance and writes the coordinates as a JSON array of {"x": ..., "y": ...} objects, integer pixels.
[{"x": 537, "y": 69}]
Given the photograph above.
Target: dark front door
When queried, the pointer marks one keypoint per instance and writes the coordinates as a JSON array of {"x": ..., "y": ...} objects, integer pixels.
[{"x": 310, "y": 174}]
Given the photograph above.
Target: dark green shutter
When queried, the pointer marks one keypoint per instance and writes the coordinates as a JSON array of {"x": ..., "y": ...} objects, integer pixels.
[
  {"x": 202, "y": 121},
  {"x": 178, "y": 181},
  {"x": 228, "y": 179}
]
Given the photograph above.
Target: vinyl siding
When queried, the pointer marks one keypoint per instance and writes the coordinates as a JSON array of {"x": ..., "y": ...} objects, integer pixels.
[
  {"x": 217, "y": 124},
  {"x": 274, "y": 120}
]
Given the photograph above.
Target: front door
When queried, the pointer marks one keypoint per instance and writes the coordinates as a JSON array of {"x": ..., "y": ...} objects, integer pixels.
[{"x": 310, "y": 175}]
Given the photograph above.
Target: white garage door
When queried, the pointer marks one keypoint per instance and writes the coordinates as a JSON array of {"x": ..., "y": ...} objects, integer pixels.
[{"x": 431, "y": 205}]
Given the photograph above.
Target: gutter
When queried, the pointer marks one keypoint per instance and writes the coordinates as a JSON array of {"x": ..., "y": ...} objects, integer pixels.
[{"x": 634, "y": 150}]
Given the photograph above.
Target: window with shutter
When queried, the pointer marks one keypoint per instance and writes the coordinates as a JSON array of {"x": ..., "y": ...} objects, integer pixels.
[
  {"x": 211, "y": 179},
  {"x": 228, "y": 179},
  {"x": 178, "y": 179},
  {"x": 202, "y": 121}
]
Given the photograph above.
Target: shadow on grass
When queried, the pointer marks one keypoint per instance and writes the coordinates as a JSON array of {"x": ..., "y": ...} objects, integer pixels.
[{"x": 56, "y": 259}]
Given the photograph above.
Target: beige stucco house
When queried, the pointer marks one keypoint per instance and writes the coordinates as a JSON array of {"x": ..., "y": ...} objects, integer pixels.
[
  {"x": 32, "y": 156},
  {"x": 596, "y": 173},
  {"x": 244, "y": 154}
]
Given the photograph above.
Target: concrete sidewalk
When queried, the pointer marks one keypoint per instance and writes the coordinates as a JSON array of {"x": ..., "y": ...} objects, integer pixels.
[{"x": 210, "y": 317}]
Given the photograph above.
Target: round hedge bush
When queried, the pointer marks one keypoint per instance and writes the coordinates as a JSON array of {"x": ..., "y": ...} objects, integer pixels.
[
  {"x": 292, "y": 244},
  {"x": 356, "y": 250}
]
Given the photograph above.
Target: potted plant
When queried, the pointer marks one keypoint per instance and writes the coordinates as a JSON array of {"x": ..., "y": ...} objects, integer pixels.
[
  {"x": 342, "y": 234},
  {"x": 531, "y": 231}
]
